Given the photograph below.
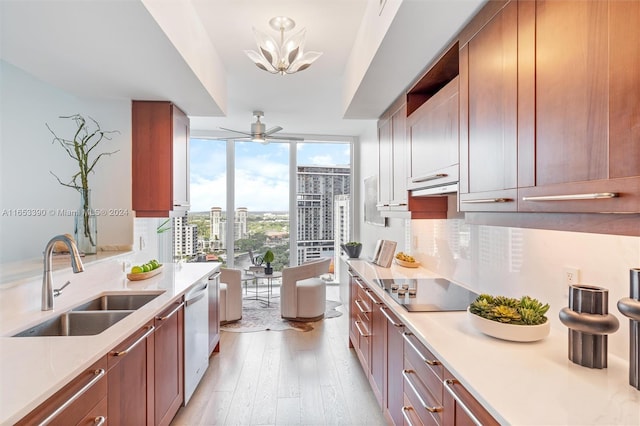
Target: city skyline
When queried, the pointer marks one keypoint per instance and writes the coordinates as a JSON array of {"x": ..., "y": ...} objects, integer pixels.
[{"x": 262, "y": 172}]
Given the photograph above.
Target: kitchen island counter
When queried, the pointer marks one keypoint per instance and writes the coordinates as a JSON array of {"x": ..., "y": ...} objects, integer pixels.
[{"x": 518, "y": 383}]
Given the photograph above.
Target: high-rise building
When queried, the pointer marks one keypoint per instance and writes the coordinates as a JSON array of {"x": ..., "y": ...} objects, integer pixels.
[
  {"x": 185, "y": 237},
  {"x": 218, "y": 222},
  {"x": 317, "y": 187}
]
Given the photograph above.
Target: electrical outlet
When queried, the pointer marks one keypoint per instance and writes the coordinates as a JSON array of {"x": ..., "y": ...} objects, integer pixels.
[{"x": 571, "y": 275}]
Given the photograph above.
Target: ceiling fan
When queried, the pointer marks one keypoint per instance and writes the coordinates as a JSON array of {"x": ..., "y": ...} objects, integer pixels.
[{"x": 259, "y": 134}]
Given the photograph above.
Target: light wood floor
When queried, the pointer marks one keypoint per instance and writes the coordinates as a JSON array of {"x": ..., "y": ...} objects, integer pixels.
[{"x": 285, "y": 378}]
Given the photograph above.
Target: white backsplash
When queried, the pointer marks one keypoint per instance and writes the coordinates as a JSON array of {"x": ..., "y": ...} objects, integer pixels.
[{"x": 514, "y": 262}]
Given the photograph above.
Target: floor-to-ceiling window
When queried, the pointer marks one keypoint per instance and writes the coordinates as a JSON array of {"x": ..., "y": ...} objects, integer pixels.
[{"x": 247, "y": 198}]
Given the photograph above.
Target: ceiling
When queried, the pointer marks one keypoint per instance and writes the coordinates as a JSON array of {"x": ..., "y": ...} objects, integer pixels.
[{"x": 194, "y": 56}]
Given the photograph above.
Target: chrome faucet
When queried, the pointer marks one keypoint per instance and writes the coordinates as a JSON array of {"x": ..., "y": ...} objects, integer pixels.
[{"x": 76, "y": 264}]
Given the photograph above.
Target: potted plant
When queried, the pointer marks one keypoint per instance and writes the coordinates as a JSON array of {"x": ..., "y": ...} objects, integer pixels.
[
  {"x": 520, "y": 320},
  {"x": 352, "y": 249},
  {"x": 268, "y": 258}
]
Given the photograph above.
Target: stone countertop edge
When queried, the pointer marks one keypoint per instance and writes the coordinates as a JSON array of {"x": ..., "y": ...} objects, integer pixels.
[
  {"x": 34, "y": 368},
  {"x": 518, "y": 383}
]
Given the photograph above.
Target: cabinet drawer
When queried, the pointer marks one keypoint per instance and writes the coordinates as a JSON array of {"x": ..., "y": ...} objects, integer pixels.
[
  {"x": 409, "y": 415},
  {"x": 424, "y": 399},
  {"x": 427, "y": 367},
  {"x": 97, "y": 416},
  {"x": 77, "y": 399}
]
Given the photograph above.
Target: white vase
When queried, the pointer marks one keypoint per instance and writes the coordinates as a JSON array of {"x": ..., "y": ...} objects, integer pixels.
[{"x": 511, "y": 332}]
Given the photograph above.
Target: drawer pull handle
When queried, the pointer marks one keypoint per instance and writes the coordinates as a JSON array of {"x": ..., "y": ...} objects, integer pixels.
[
  {"x": 448, "y": 385},
  {"x": 405, "y": 414},
  {"x": 397, "y": 204},
  {"x": 569, "y": 197},
  {"x": 357, "y": 302},
  {"x": 487, "y": 200},
  {"x": 97, "y": 375},
  {"x": 388, "y": 317},
  {"x": 144, "y": 336},
  {"x": 99, "y": 421},
  {"x": 363, "y": 334},
  {"x": 413, "y": 346},
  {"x": 430, "y": 177},
  {"x": 405, "y": 374},
  {"x": 369, "y": 291},
  {"x": 382, "y": 205},
  {"x": 360, "y": 284},
  {"x": 170, "y": 314}
]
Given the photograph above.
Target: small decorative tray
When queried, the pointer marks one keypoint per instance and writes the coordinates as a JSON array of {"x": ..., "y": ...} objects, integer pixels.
[
  {"x": 145, "y": 275},
  {"x": 407, "y": 264}
]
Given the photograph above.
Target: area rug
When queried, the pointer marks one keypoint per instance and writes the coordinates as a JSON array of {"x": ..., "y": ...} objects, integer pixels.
[{"x": 256, "y": 316}]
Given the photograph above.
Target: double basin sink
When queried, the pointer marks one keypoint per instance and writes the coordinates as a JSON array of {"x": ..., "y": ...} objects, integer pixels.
[{"x": 91, "y": 318}]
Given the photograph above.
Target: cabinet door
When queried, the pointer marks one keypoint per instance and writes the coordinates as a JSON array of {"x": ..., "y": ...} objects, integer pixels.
[
  {"x": 586, "y": 156},
  {"x": 393, "y": 364},
  {"x": 385, "y": 149},
  {"x": 160, "y": 153},
  {"x": 432, "y": 131},
  {"x": 180, "y": 159},
  {"x": 168, "y": 356},
  {"x": 461, "y": 408},
  {"x": 83, "y": 398},
  {"x": 378, "y": 348},
  {"x": 130, "y": 380},
  {"x": 400, "y": 160},
  {"x": 214, "y": 313},
  {"x": 489, "y": 115}
]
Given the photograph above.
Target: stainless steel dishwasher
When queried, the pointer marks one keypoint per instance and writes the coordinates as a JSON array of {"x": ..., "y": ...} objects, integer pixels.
[{"x": 196, "y": 337}]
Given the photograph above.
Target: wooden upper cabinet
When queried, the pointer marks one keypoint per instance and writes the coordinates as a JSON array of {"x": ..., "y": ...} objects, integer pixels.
[
  {"x": 394, "y": 158},
  {"x": 587, "y": 113},
  {"x": 489, "y": 115},
  {"x": 160, "y": 158},
  {"x": 432, "y": 131}
]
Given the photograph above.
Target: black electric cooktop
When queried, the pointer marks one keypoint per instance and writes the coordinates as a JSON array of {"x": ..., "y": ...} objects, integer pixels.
[{"x": 428, "y": 294}]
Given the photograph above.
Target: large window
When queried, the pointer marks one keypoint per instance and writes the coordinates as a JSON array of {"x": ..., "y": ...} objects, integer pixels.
[{"x": 247, "y": 198}]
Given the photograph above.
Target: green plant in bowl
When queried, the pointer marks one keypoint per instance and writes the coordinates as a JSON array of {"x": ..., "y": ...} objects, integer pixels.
[{"x": 507, "y": 310}]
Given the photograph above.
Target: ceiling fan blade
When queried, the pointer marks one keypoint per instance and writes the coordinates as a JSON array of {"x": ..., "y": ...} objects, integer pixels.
[
  {"x": 272, "y": 130},
  {"x": 283, "y": 138},
  {"x": 235, "y": 131}
]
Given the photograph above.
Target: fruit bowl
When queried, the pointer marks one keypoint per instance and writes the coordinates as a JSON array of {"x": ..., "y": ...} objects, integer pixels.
[
  {"x": 145, "y": 275},
  {"x": 406, "y": 264},
  {"x": 511, "y": 332}
]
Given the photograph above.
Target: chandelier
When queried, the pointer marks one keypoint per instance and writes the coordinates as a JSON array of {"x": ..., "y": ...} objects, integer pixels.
[{"x": 288, "y": 57}]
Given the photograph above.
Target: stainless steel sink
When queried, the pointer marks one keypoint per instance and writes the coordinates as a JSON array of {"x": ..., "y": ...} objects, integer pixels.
[
  {"x": 117, "y": 302},
  {"x": 74, "y": 323}
]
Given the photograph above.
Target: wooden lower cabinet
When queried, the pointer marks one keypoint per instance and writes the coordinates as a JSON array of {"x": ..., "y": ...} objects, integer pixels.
[
  {"x": 393, "y": 364},
  {"x": 82, "y": 402},
  {"x": 423, "y": 387},
  {"x": 131, "y": 379},
  {"x": 168, "y": 363},
  {"x": 409, "y": 382},
  {"x": 461, "y": 407},
  {"x": 214, "y": 313}
]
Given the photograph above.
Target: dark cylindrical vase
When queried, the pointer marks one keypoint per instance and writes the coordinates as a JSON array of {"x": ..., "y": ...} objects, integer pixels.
[
  {"x": 630, "y": 307},
  {"x": 589, "y": 322}
]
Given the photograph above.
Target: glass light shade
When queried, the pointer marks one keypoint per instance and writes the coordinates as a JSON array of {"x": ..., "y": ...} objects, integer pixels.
[{"x": 287, "y": 58}]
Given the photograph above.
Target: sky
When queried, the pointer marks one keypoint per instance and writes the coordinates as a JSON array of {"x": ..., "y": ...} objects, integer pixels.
[{"x": 262, "y": 179}]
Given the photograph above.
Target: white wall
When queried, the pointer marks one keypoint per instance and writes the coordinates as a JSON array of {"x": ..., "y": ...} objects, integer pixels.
[
  {"x": 27, "y": 156},
  {"x": 512, "y": 261}
]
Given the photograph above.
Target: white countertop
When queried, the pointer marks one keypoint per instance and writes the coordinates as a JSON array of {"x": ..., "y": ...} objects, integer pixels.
[
  {"x": 518, "y": 383},
  {"x": 34, "y": 368}
]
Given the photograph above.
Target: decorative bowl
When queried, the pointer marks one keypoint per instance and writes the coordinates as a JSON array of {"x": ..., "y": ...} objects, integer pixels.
[
  {"x": 511, "y": 332},
  {"x": 407, "y": 264}
]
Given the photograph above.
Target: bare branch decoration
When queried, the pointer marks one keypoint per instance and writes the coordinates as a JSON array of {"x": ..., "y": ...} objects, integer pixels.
[{"x": 86, "y": 138}]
